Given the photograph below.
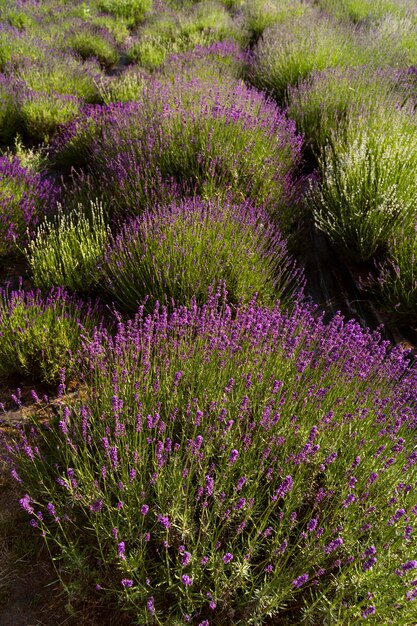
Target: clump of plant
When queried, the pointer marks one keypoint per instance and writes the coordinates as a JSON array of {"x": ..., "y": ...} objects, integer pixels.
[
  {"x": 88, "y": 44},
  {"x": 65, "y": 250},
  {"x": 359, "y": 11},
  {"x": 258, "y": 15},
  {"x": 288, "y": 52},
  {"x": 25, "y": 198},
  {"x": 368, "y": 176},
  {"x": 208, "y": 136},
  {"x": 41, "y": 114},
  {"x": 221, "y": 60},
  {"x": 133, "y": 11},
  {"x": 9, "y": 113},
  {"x": 62, "y": 74},
  {"x": 39, "y": 335},
  {"x": 232, "y": 466},
  {"x": 203, "y": 25},
  {"x": 322, "y": 103},
  {"x": 396, "y": 282},
  {"x": 126, "y": 87},
  {"x": 175, "y": 253}
]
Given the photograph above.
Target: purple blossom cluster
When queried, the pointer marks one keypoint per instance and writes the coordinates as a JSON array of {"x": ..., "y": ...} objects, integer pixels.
[{"x": 25, "y": 198}]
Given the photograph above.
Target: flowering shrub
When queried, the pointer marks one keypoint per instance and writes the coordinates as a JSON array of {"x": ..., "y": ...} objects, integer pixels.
[
  {"x": 367, "y": 186},
  {"x": 9, "y": 115},
  {"x": 133, "y": 11},
  {"x": 206, "y": 136},
  {"x": 177, "y": 252},
  {"x": 229, "y": 466},
  {"x": 39, "y": 335},
  {"x": 322, "y": 103},
  {"x": 25, "y": 197},
  {"x": 362, "y": 10},
  {"x": 290, "y": 51},
  {"x": 261, "y": 14},
  {"x": 204, "y": 24},
  {"x": 66, "y": 251},
  {"x": 396, "y": 281}
]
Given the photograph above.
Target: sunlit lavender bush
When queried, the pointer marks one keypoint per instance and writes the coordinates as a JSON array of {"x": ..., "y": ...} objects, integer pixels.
[
  {"x": 289, "y": 51},
  {"x": 229, "y": 466},
  {"x": 359, "y": 11},
  {"x": 369, "y": 174},
  {"x": 177, "y": 252},
  {"x": 133, "y": 11},
  {"x": 258, "y": 15},
  {"x": 209, "y": 136},
  {"x": 66, "y": 249},
  {"x": 176, "y": 32},
  {"x": 322, "y": 103},
  {"x": 39, "y": 335},
  {"x": 25, "y": 198},
  {"x": 220, "y": 59}
]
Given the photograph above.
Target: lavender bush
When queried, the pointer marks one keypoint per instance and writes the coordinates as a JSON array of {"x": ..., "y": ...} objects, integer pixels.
[
  {"x": 290, "y": 51},
  {"x": 25, "y": 197},
  {"x": 367, "y": 182},
  {"x": 177, "y": 252},
  {"x": 9, "y": 115},
  {"x": 359, "y": 11},
  {"x": 322, "y": 103},
  {"x": 209, "y": 136},
  {"x": 40, "y": 334},
  {"x": 66, "y": 250},
  {"x": 226, "y": 467},
  {"x": 396, "y": 281},
  {"x": 133, "y": 11},
  {"x": 174, "y": 33}
]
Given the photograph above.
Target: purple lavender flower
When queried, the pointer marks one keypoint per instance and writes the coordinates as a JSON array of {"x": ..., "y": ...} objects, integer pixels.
[
  {"x": 144, "y": 509},
  {"x": 369, "y": 611},
  {"x": 300, "y": 581},
  {"x": 164, "y": 521},
  {"x": 333, "y": 545},
  {"x": 227, "y": 557},
  {"x": 150, "y": 605},
  {"x": 186, "y": 580},
  {"x": 126, "y": 583},
  {"x": 121, "y": 550},
  {"x": 233, "y": 456}
]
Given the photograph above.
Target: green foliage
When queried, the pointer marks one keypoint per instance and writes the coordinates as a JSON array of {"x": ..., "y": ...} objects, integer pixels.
[
  {"x": 42, "y": 113},
  {"x": 293, "y": 49},
  {"x": 396, "y": 283},
  {"x": 178, "y": 253},
  {"x": 133, "y": 11},
  {"x": 127, "y": 87},
  {"x": 88, "y": 44},
  {"x": 368, "y": 182},
  {"x": 63, "y": 74},
  {"x": 323, "y": 102},
  {"x": 362, "y": 10},
  {"x": 39, "y": 336},
  {"x": 66, "y": 251},
  {"x": 261, "y": 14}
]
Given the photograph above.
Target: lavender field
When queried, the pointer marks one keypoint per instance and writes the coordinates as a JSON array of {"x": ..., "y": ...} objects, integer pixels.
[{"x": 207, "y": 208}]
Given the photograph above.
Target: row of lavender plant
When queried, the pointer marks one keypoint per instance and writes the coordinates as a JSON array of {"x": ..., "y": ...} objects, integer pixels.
[{"x": 351, "y": 92}]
